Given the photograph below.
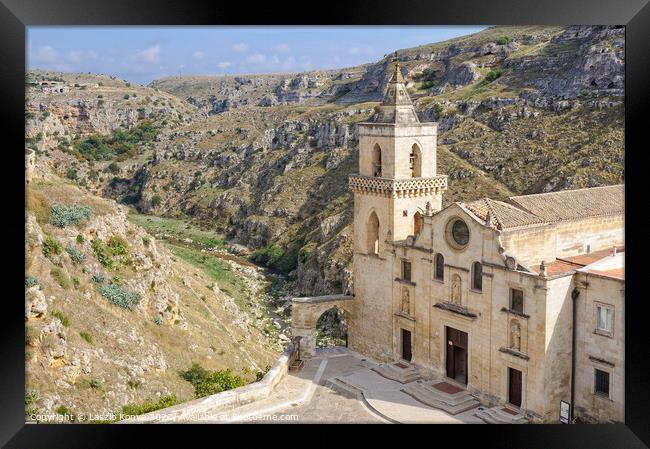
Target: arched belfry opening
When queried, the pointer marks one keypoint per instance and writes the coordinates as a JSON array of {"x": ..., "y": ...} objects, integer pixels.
[
  {"x": 373, "y": 233},
  {"x": 417, "y": 223},
  {"x": 376, "y": 161},
  {"x": 415, "y": 161}
]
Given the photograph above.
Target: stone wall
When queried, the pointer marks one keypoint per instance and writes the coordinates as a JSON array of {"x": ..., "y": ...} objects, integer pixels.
[
  {"x": 600, "y": 351},
  {"x": 226, "y": 400}
]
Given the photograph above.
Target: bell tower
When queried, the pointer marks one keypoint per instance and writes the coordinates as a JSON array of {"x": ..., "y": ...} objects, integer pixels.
[
  {"x": 397, "y": 171},
  {"x": 397, "y": 180}
]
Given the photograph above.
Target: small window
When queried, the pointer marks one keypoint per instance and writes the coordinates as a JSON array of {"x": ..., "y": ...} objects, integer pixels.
[
  {"x": 602, "y": 383},
  {"x": 477, "y": 276},
  {"x": 406, "y": 270},
  {"x": 440, "y": 267},
  {"x": 604, "y": 319},
  {"x": 516, "y": 300}
]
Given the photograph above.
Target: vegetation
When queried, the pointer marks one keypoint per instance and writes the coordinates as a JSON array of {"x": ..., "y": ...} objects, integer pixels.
[
  {"x": 31, "y": 281},
  {"x": 80, "y": 239},
  {"x": 122, "y": 144},
  {"x": 102, "y": 253},
  {"x": 493, "y": 75},
  {"x": 206, "y": 382},
  {"x": 273, "y": 256},
  {"x": 140, "y": 409},
  {"x": 76, "y": 256},
  {"x": 64, "y": 319},
  {"x": 51, "y": 247},
  {"x": 86, "y": 336},
  {"x": 62, "y": 215},
  {"x": 179, "y": 229},
  {"x": 120, "y": 296},
  {"x": 503, "y": 40},
  {"x": 37, "y": 203}
]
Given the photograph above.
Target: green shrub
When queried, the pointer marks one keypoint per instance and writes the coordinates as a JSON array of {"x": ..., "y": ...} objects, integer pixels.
[
  {"x": 64, "y": 319},
  {"x": 155, "y": 200},
  {"x": 71, "y": 173},
  {"x": 30, "y": 281},
  {"x": 126, "y": 96},
  {"x": 146, "y": 241},
  {"x": 98, "y": 278},
  {"x": 60, "y": 278},
  {"x": 62, "y": 215},
  {"x": 52, "y": 247},
  {"x": 503, "y": 40},
  {"x": 140, "y": 409},
  {"x": 102, "y": 253},
  {"x": 86, "y": 336},
  {"x": 117, "y": 245},
  {"x": 75, "y": 255},
  {"x": 80, "y": 239},
  {"x": 207, "y": 382},
  {"x": 493, "y": 74},
  {"x": 122, "y": 143},
  {"x": 157, "y": 320},
  {"x": 120, "y": 296},
  {"x": 63, "y": 410},
  {"x": 96, "y": 384},
  {"x": 76, "y": 282},
  {"x": 113, "y": 168},
  {"x": 275, "y": 257}
]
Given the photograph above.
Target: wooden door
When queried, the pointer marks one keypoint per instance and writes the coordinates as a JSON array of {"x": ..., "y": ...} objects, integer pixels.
[
  {"x": 457, "y": 353},
  {"x": 406, "y": 345},
  {"x": 514, "y": 387}
]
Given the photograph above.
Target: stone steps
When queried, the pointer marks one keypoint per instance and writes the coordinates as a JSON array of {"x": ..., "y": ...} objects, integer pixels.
[
  {"x": 401, "y": 372},
  {"x": 452, "y": 403},
  {"x": 496, "y": 415}
]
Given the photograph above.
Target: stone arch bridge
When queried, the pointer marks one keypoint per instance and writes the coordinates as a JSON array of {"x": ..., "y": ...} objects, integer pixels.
[{"x": 305, "y": 314}]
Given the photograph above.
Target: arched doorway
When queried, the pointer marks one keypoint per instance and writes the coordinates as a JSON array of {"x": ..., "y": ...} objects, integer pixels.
[{"x": 332, "y": 328}]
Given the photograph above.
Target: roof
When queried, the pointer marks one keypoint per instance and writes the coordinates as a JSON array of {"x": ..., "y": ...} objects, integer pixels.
[
  {"x": 603, "y": 263},
  {"x": 574, "y": 204},
  {"x": 502, "y": 215},
  {"x": 396, "y": 106},
  {"x": 553, "y": 207}
]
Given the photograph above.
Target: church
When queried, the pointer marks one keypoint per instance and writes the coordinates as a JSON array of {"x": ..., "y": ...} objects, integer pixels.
[{"x": 519, "y": 302}]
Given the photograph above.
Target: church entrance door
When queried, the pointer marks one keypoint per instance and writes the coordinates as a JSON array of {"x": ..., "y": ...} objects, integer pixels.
[
  {"x": 456, "y": 362},
  {"x": 406, "y": 345}
]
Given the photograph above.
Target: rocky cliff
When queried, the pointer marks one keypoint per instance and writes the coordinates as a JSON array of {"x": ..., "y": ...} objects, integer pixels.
[{"x": 520, "y": 110}]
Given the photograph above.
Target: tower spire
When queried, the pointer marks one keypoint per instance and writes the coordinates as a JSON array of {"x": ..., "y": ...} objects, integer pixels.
[{"x": 396, "y": 106}]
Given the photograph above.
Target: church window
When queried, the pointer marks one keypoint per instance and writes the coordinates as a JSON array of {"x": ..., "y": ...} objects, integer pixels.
[
  {"x": 440, "y": 267},
  {"x": 373, "y": 234},
  {"x": 601, "y": 382},
  {"x": 406, "y": 270},
  {"x": 516, "y": 300},
  {"x": 604, "y": 319},
  {"x": 477, "y": 276},
  {"x": 457, "y": 233}
]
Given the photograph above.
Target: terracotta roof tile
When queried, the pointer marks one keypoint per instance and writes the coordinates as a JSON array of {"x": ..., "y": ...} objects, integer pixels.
[
  {"x": 573, "y": 204},
  {"x": 502, "y": 215}
]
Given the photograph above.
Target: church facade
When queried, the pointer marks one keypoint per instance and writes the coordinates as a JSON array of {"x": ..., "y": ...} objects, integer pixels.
[{"x": 521, "y": 302}]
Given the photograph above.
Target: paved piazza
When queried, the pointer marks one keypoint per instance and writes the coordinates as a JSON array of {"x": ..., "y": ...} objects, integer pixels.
[{"x": 308, "y": 397}]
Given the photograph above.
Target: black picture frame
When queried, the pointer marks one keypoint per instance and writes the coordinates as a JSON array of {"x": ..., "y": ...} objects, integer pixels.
[{"x": 15, "y": 15}]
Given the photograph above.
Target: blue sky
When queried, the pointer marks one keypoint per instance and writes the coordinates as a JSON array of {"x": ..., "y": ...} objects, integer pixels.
[{"x": 142, "y": 54}]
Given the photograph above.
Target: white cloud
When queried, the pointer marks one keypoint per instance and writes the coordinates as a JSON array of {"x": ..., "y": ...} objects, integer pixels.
[
  {"x": 224, "y": 64},
  {"x": 241, "y": 47},
  {"x": 45, "y": 54},
  {"x": 360, "y": 50},
  {"x": 199, "y": 55},
  {"x": 150, "y": 55},
  {"x": 282, "y": 48},
  {"x": 77, "y": 56},
  {"x": 257, "y": 58}
]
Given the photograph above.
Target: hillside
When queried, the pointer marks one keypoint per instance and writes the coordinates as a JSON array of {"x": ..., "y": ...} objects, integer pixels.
[
  {"x": 113, "y": 314},
  {"x": 264, "y": 159}
]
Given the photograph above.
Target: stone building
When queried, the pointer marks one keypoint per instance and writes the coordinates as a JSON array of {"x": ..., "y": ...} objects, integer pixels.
[{"x": 520, "y": 302}]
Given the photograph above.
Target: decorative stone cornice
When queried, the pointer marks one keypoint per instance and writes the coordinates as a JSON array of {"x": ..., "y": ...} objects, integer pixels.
[{"x": 398, "y": 188}]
